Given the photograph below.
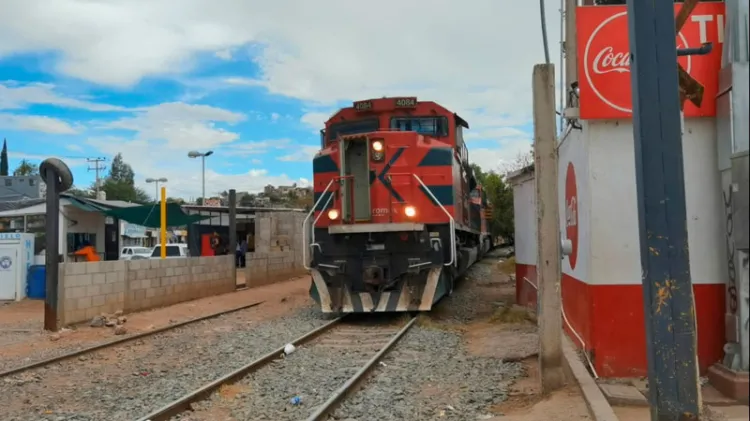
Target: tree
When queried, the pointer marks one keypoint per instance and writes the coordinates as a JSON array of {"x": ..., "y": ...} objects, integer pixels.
[
  {"x": 26, "y": 168},
  {"x": 121, "y": 171},
  {"x": 120, "y": 183},
  {"x": 177, "y": 200},
  {"x": 4, "y": 159},
  {"x": 522, "y": 160},
  {"x": 85, "y": 193},
  {"x": 500, "y": 197}
]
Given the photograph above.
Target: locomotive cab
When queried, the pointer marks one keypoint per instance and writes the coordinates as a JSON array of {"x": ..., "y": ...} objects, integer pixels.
[{"x": 392, "y": 225}]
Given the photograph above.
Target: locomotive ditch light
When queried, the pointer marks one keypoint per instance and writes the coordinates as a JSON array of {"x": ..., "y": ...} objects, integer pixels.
[
  {"x": 410, "y": 211},
  {"x": 333, "y": 214}
]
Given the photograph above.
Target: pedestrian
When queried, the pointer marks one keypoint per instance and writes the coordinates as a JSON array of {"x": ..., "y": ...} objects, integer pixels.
[
  {"x": 243, "y": 253},
  {"x": 237, "y": 255}
]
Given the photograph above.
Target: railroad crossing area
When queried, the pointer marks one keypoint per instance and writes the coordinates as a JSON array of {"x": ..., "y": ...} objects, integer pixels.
[{"x": 268, "y": 353}]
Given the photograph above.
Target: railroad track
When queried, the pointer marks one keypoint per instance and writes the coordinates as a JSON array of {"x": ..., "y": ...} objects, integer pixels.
[
  {"x": 351, "y": 349},
  {"x": 129, "y": 338}
]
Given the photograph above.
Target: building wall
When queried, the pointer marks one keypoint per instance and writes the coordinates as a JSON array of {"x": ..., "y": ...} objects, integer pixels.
[
  {"x": 88, "y": 289},
  {"x": 278, "y": 248},
  {"x": 19, "y": 188},
  {"x": 601, "y": 292},
  {"x": 74, "y": 220},
  {"x": 524, "y": 209}
]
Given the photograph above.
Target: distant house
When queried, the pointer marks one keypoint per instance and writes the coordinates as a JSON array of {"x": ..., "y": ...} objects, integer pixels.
[{"x": 13, "y": 189}]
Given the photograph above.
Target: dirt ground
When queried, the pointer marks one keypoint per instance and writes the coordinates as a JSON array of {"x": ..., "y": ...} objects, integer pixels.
[
  {"x": 27, "y": 316},
  {"x": 509, "y": 332}
]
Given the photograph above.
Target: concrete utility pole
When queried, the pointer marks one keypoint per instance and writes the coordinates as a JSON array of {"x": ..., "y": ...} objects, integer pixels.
[
  {"x": 571, "y": 45},
  {"x": 97, "y": 168},
  {"x": 668, "y": 301},
  {"x": 548, "y": 229}
]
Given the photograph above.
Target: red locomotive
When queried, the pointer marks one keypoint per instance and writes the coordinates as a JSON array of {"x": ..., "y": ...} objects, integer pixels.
[{"x": 398, "y": 213}]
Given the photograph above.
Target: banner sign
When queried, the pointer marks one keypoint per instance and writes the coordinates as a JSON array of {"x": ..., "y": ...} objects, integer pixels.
[{"x": 604, "y": 59}]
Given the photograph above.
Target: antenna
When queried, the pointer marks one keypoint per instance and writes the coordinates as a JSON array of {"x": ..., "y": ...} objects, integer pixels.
[{"x": 96, "y": 168}]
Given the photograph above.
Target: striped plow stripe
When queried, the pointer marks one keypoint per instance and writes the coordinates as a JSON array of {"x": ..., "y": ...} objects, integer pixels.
[{"x": 363, "y": 302}]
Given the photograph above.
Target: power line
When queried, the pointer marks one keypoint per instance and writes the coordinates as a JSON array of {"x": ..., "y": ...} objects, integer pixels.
[{"x": 96, "y": 168}]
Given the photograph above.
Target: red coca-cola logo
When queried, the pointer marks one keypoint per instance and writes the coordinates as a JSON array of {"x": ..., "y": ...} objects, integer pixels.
[
  {"x": 571, "y": 213},
  {"x": 606, "y": 61}
]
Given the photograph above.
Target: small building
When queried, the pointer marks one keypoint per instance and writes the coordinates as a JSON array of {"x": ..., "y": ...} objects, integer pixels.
[
  {"x": 15, "y": 188},
  {"x": 81, "y": 221}
]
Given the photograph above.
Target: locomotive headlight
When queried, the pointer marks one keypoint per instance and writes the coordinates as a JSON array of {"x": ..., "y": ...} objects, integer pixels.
[
  {"x": 378, "y": 152},
  {"x": 333, "y": 214},
  {"x": 410, "y": 211}
]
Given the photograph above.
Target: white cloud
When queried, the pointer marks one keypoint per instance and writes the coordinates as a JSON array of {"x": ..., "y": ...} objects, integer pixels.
[
  {"x": 16, "y": 96},
  {"x": 257, "y": 147},
  {"x": 35, "y": 123},
  {"x": 181, "y": 126},
  {"x": 301, "y": 154},
  {"x": 476, "y": 61},
  {"x": 73, "y": 147}
]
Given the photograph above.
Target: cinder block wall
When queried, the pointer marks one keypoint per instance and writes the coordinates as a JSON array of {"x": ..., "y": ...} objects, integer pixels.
[
  {"x": 278, "y": 248},
  {"x": 92, "y": 288}
]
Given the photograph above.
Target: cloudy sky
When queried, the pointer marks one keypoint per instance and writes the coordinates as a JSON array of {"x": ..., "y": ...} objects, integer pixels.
[{"x": 253, "y": 80}]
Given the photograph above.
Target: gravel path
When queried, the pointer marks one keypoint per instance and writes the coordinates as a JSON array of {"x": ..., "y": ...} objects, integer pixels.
[
  {"x": 429, "y": 376},
  {"x": 312, "y": 373},
  {"x": 129, "y": 381}
]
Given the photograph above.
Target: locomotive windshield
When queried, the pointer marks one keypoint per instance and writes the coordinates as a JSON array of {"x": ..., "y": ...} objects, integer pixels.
[
  {"x": 353, "y": 127},
  {"x": 431, "y": 126}
]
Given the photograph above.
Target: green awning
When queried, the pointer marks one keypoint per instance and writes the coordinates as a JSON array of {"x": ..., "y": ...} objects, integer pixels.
[
  {"x": 85, "y": 205},
  {"x": 150, "y": 215}
]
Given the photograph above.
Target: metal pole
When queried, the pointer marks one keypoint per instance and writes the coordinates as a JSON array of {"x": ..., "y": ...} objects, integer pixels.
[
  {"x": 548, "y": 229},
  {"x": 668, "y": 301},
  {"x": 163, "y": 223},
  {"x": 233, "y": 228},
  {"x": 203, "y": 179},
  {"x": 52, "y": 222}
]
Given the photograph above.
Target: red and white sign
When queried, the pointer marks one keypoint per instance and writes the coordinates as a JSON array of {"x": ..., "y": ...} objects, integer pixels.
[
  {"x": 212, "y": 202},
  {"x": 604, "y": 59},
  {"x": 571, "y": 213}
]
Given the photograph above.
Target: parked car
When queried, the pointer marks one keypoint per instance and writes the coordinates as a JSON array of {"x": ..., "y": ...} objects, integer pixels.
[
  {"x": 174, "y": 251},
  {"x": 135, "y": 253}
]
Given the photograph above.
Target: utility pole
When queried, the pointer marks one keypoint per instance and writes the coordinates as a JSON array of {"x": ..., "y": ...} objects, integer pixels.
[
  {"x": 548, "y": 229},
  {"x": 571, "y": 45},
  {"x": 96, "y": 168},
  {"x": 668, "y": 301}
]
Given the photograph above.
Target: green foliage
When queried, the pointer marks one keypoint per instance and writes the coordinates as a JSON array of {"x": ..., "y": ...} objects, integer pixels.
[
  {"x": 4, "y": 159},
  {"x": 500, "y": 197},
  {"x": 26, "y": 168},
  {"x": 120, "y": 171}
]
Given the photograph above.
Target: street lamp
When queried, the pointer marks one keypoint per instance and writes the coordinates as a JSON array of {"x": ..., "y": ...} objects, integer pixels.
[
  {"x": 202, "y": 155},
  {"x": 157, "y": 181}
]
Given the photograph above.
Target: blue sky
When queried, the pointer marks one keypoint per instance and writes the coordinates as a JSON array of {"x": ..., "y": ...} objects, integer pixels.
[{"x": 154, "y": 80}]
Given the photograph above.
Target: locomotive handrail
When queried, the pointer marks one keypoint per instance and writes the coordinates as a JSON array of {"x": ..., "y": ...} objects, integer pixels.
[
  {"x": 312, "y": 228},
  {"x": 452, "y": 221}
]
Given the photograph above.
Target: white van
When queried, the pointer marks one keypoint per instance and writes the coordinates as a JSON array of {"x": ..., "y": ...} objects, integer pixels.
[
  {"x": 174, "y": 251},
  {"x": 135, "y": 253}
]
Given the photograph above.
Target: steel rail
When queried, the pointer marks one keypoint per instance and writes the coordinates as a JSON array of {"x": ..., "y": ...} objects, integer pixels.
[
  {"x": 327, "y": 408},
  {"x": 185, "y": 402},
  {"x": 129, "y": 338}
]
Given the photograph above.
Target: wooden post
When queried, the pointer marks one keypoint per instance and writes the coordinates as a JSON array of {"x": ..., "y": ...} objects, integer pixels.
[{"x": 548, "y": 229}]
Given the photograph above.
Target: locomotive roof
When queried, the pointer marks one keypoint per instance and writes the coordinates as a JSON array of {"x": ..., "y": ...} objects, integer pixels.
[{"x": 389, "y": 104}]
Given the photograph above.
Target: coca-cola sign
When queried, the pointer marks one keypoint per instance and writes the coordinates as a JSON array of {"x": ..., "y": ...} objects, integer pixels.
[{"x": 604, "y": 59}]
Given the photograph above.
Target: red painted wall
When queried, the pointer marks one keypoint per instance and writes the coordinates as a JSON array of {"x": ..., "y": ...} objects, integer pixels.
[{"x": 610, "y": 320}]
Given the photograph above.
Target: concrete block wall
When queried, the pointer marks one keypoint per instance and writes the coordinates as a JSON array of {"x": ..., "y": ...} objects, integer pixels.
[
  {"x": 275, "y": 266},
  {"x": 278, "y": 242},
  {"x": 91, "y": 288}
]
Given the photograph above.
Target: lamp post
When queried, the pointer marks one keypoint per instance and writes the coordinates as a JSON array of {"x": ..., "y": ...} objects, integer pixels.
[
  {"x": 157, "y": 181},
  {"x": 202, "y": 155}
]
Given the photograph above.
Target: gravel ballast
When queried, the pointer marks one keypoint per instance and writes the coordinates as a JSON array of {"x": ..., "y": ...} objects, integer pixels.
[{"x": 129, "y": 381}]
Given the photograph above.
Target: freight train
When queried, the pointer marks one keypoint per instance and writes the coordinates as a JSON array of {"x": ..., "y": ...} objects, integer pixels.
[{"x": 398, "y": 215}]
